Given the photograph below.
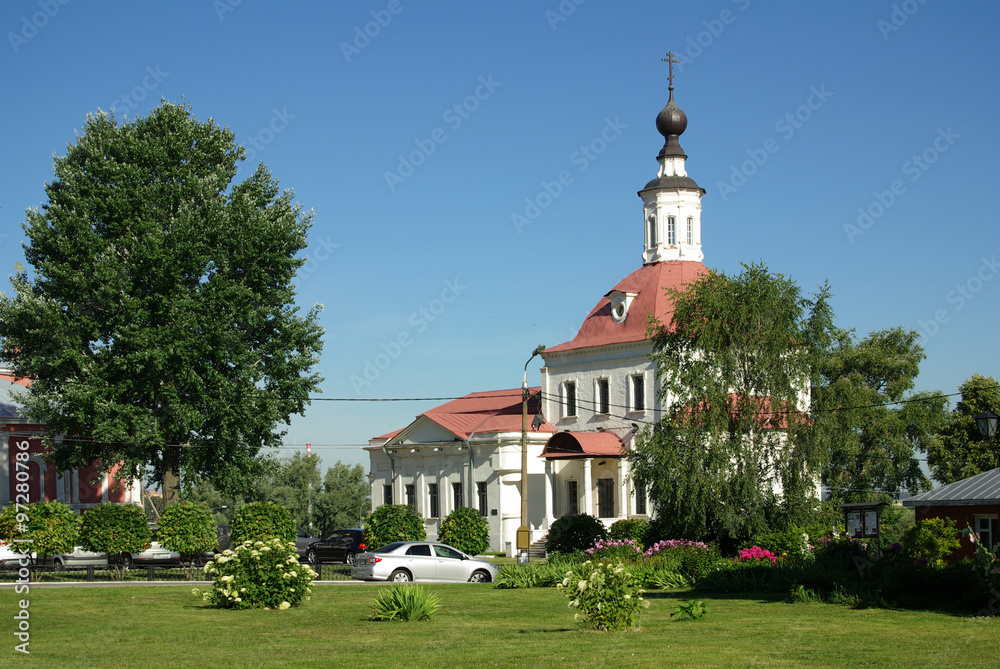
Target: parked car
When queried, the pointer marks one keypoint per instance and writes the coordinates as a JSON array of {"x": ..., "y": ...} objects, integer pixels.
[
  {"x": 154, "y": 553},
  {"x": 80, "y": 557},
  {"x": 9, "y": 556},
  {"x": 338, "y": 546},
  {"x": 405, "y": 561}
]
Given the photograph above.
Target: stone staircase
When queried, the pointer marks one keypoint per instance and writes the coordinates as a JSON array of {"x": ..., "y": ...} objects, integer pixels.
[{"x": 536, "y": 551}]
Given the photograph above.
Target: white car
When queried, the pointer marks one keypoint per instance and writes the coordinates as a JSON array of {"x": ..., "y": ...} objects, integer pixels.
[
  {"x": 406, "y": 561},
  {"x": 9, "y": 556}
]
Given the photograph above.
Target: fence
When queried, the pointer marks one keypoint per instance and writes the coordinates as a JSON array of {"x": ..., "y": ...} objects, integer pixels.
[{"x": 49, "y": 573}]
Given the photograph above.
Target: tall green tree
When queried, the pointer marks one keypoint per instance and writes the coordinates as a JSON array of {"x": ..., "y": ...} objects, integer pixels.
[
  {"x": 960, "y": 451},
  {"x": 158, "y": 322},
  {"x": 295, "y": 485},
  {"x": 345, "y": 498},
  {"x": 871, "y": 423},
  {"x": 732, "y": 365}
]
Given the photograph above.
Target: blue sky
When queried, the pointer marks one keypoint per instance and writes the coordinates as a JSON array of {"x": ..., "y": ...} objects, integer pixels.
[{"x": 848, "y": 141}]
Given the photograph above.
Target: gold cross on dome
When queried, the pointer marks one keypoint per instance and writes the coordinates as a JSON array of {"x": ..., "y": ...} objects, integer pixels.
[
  {"x": 670, "y": 60},
  {"x": 19, "y": 267}
]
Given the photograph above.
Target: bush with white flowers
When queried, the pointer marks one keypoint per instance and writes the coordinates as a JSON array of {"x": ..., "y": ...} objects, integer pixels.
[
  {"x": 605, "y": 595},
  {"x": 258, "y": 574}
]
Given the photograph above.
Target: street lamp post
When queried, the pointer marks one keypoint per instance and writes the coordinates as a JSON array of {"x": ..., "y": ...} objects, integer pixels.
[{"x": 524, "y": 532}]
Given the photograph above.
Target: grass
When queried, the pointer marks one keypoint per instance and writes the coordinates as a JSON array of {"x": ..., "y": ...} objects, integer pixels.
[{"x": 478, "y": 626}]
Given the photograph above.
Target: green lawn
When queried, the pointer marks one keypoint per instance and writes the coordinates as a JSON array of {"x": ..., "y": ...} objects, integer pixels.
[{"x": 167, "y": 626}]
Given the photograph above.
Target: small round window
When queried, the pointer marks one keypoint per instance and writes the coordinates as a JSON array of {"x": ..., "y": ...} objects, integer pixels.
[{"x": 618, "y": 311}]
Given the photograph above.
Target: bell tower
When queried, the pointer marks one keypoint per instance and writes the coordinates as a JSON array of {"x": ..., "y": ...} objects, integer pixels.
[{"x": 671, "y": 203}]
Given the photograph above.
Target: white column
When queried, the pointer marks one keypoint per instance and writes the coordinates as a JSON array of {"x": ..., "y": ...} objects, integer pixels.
[
  {"x": 549, "y": 474},
  {"x": 623, "y": 506},
  {"x": 588, "y": 488}
]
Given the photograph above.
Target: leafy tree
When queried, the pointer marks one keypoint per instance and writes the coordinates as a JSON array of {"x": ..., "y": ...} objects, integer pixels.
[
  {"x": 295, "y": 485},
  {"x": 867, "y": 418},
  {"x": 258, "y": 521},
  {"x": 116, "y": 529},
  {"x": 346, "y": 495},
  {"x": 732, "y": 364},
  {"x": 188, "y": 528},
  {"x": 465, "y": 529},
  {"x": 393, "y": 522},
  {"x": 931, "y": 541},
  {"x": 159, "y": 323},
  {"x": 960, "y": 451}
]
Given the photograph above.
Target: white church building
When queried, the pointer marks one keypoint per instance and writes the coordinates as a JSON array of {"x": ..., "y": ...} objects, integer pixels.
[{"x": 596, "y": 392}]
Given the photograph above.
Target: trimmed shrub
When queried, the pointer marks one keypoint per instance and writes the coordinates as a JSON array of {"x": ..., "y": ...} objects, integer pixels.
[
  {"x": 258, "y": 521},
  {"x": 405, "y": 603},
  {"x": 605, "y": 595},
  {"x": 188, "y": 528},
  {"x": 636, "y": 529},
  {"x": 116, "y": 529},
  {"x": 465, "y": 529},
  {"x": 931, "y": 541},
  {"x": 393, "y": 522},
  {"x": 574, "y": 532},
  {"x": 258, "y": 574},
  {"x": 52, "y": 527}
]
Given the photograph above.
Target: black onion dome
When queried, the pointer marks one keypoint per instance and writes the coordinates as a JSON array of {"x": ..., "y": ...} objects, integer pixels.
[
  {"x": 670, "y": 123},
  {"x": 671, "y": 120}
]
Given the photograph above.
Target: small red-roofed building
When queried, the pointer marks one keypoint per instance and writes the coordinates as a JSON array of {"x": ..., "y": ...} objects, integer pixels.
[{"x": 33, "y": 480}]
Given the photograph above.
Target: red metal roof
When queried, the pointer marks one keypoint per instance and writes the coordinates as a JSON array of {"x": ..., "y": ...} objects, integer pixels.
[
  {"x": 582, "y": 445},
  {"x": 649, "y": 282},
  {"x": 490, "y": 411}
]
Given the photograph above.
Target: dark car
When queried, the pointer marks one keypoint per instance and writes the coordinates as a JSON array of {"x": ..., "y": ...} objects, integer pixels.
[{"x": 338, "y": 546}]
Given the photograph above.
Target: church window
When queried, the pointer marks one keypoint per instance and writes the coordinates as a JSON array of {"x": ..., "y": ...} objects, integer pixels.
[
  {"x": 573, "y": 497},
  {"x": 481, "y": 489},
  {"x": 411, "y": 496},
  {"x": 603, "y": 399},
  {"x": 671, "y": 230},
  {"x": 387, "y": 494},
  {"x": 569, "y": 399},
  {"x": 434, "y": 510},
  {"x": 640, "y": 500},
  {"x": 456, "y": 489},
  {"x": 638, "y": 391},
  {"x": 690, "y": 230},
  {"x": 652, "y": 229}
]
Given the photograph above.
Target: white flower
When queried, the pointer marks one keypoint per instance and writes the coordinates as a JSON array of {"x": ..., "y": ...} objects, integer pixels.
[
  {"x": 581, "y": 586},
  {"x": 222, "y": 559},
  {"x": 283, "y": 606},
  {"x": 628, "y": 597},
  {"x": 265, "y": 549}
]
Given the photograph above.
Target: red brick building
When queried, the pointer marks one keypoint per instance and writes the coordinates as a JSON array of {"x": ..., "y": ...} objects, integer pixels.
[{"x": 78, "y": 488}]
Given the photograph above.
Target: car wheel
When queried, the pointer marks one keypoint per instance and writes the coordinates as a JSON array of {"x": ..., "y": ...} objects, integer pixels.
[
  {"x": 59, "y": 562},
  {"x": 479, "y": 576},
  {"x": 311, "y": 556},
  {"x": 349, "y": 559},
  {"x": 400, "y": 576}
]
